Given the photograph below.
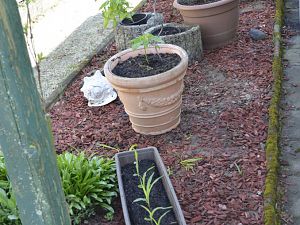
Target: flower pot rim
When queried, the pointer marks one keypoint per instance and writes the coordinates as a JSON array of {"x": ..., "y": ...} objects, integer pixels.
[
  {"x": 169, "y": 26},
  {"x": 188, "y": 27},
  {"x": 153, "y": 80},
  {"x": 203, "y": 6},
  {"x": 135, "y": 23}
]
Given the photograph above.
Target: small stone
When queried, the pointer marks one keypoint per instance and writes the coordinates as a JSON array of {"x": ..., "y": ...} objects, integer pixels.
[{"x": 257, "y": 35}]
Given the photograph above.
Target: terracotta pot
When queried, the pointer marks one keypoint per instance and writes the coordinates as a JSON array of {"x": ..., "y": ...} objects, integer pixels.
[
  {"x": 151, "y": 153},
  {"x": 153, "y": 103},
  {"x": 218, "y": 20}
]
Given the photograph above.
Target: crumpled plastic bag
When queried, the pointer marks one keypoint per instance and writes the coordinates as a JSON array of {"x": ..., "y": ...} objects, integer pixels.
[{"x": 98, "y": 90}]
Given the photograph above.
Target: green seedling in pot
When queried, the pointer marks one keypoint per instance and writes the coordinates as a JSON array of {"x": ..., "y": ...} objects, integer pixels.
[
  {"x": 146, "y": 40},
  {"x": 115, "y": 11},
  {"x": 146, "y": 185}
]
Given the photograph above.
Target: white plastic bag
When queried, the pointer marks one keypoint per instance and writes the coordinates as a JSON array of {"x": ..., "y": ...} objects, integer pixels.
[{"x": 98, "y": 90}]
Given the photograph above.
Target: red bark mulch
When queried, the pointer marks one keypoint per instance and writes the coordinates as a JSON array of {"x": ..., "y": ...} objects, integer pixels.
[{"x": 224, "y": 120}]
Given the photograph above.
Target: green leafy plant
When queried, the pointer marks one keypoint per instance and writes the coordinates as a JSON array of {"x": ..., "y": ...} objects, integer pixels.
[
  {"x": 87, "y": 182},
  {"x": 146, "y": 183},
  {"x": 115, "y": 11},
  {"x": 8, "y": 207},
  {"x": 4, "y": 183},
  {"x": 146, "y": 40},
  {"x": 189, "y": 164}
]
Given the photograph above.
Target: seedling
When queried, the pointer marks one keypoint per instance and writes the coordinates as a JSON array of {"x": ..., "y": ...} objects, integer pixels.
[
  {"x": 169, "y": 171},
  {"x": 133, "y": 147},
  {"x": 108, "y": 147},
  {"x": 115, "y": 11},
  {"x": 189, "y": 164},
  {"x": 146, "y": 185},
  {"x": 145, "y": 40},
  {"x": 238, "y": 168}
]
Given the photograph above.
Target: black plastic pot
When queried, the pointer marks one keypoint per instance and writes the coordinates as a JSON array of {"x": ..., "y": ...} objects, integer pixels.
[
  {"x": 136, "y": 19},
  {"x": 150, "y": 153}
]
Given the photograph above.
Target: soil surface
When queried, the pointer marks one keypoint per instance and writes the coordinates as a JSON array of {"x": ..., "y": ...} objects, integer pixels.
[
  {"x": 158, "y": 196},
  {"x": 141, "y": 66},
  {"x": 224, "y": 120},
  {"x": 196, "y": 2},
  {"x": 166, "y": 31}
]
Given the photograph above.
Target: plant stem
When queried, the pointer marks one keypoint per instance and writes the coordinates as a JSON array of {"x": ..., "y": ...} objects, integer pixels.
[
  {"x": 146, "y": 56},
  {"x": 31, "y": 46}
]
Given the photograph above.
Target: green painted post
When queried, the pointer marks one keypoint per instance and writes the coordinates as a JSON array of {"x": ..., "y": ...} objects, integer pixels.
[{"x": 25, "y": 137}]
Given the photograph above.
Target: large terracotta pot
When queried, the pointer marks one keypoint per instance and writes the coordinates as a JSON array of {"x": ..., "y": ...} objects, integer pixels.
[
  {"x": 218, "y": 20},
  {"x": 153, "y": 103}
]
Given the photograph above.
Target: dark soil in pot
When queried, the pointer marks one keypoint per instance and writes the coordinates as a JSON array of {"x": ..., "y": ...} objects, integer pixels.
[
  {"x": 136, "y": 19},
  {"x": 196, "y": 2},
  {"x": 138, "y": 67},
  {"x": 167, "y": 31},
  {"x": 158, "y": 196}
]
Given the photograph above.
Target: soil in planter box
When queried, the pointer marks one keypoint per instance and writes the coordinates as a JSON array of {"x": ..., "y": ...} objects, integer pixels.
[
  {"x": 138, "y": 67},
  {"x": 196, "y": 2},
  {"x": 158, "y": 195}
]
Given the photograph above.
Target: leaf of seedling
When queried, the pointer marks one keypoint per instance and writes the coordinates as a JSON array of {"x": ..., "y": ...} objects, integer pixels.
[
  {"x": 40, "y": 57},
  {"x": 145, "y": 40},
  {"x": 148, "y": 210},
  {"x": 140, "y": 200},
  {"x": 109, "y": 147},
  {"x": 133, "y": 147},
  {"x": 238, "y": 168},
  {"x": 162, "y": 216},
  {"x": 136, "y": 157},
  {"x": 115, "y": 11},
  {"x": 169, "y": 171},
  {"x": 189, "y": 164}
]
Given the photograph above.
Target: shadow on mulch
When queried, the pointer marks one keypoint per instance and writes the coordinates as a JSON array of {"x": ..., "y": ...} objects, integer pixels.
[{"x": 224, "y": 120}]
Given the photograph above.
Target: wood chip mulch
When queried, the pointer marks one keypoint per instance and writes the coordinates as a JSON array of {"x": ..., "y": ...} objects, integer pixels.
[{"x": 224, "y": 120}]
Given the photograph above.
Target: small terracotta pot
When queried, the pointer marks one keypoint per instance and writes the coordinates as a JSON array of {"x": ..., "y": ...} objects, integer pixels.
[
  {"x": 218, "y": 20},
  {"x": 153, "y": 103}
]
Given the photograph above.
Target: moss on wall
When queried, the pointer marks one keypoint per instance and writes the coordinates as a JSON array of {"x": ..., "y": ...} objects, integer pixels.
[{"x": 271, "y": 216}]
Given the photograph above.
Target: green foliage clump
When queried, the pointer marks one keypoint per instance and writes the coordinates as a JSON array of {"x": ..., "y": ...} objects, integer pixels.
[
  {"x": 87, "y": 182},
  {"x": 8, "y": 207}
]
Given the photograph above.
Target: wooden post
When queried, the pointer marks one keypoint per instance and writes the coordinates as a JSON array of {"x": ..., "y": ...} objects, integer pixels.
[{"x": 25, "y": 136}]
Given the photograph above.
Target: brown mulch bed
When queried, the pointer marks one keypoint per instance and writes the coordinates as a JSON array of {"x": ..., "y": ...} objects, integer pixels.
[{"x": 224, "y": 120}]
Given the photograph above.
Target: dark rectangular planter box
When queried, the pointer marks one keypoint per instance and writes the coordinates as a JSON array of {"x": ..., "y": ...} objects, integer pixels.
[{"x": 124, "y": 158}]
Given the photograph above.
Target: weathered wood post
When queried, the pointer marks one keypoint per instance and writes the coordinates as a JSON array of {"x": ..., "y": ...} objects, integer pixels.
[{"x": 25, "y": 137}]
